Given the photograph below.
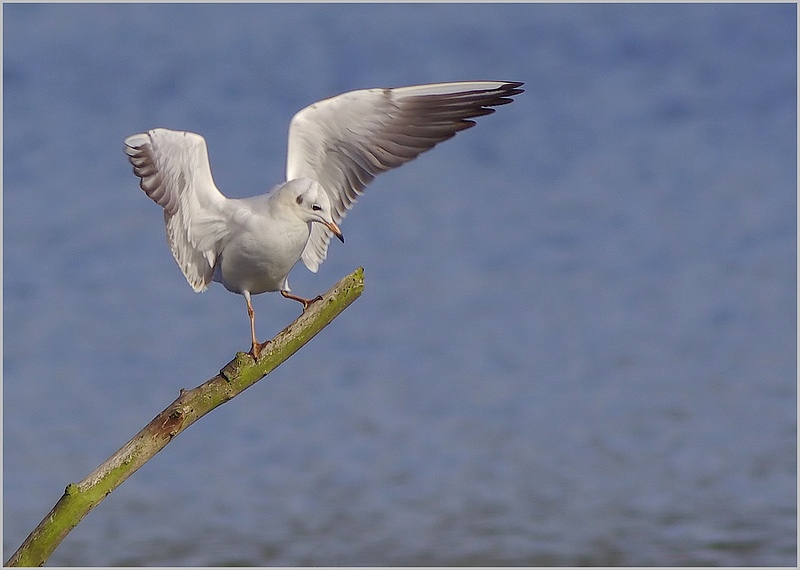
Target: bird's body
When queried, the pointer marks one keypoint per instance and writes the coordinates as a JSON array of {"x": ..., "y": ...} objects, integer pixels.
[
  {"x": 336, "y": 146},
  {"x": 242, "y": 264}
]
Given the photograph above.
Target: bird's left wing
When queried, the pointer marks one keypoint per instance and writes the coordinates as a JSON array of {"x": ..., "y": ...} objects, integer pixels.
[{"x": 345, "y": 141}]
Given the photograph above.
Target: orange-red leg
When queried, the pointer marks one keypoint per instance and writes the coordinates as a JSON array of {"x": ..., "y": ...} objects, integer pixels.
[
  {"x": 255, "y": 347},
  {"x": 305, "y": 302}
]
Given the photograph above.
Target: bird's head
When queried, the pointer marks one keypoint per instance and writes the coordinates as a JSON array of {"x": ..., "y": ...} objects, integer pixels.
[{"x": 312, "y": 204}]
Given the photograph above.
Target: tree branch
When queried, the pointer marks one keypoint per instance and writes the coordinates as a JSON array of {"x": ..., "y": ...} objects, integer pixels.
[{"x": 238, "y": 375}]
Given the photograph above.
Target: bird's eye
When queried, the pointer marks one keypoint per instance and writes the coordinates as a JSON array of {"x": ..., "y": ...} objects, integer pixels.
[{"x": 316, "y": 207}]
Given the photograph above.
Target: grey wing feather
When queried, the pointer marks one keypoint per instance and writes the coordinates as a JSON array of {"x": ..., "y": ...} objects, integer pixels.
[
  {"x": 345, "y": 141},
  {"x": 175, "y": 173}
]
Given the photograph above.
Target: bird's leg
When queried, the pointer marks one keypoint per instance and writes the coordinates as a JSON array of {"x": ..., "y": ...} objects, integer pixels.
[
  {"x": 255, "y": 347},
  {"x": 306, "y": 302}
]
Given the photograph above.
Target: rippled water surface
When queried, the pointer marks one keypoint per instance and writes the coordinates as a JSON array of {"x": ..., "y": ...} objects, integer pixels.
[{"x": 577, "y": 342}]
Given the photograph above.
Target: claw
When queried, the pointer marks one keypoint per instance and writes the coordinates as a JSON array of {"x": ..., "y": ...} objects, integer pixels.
[{"x": 256, "y": 348}]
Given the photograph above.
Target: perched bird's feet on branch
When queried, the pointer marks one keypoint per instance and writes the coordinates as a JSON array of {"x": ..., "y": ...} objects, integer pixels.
[
  {"x": 305, "y": 302},
  {"x": 256, "y": 348}
]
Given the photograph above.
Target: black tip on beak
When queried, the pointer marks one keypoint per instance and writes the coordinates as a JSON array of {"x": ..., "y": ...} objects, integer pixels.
[{"x": 335, "y": 230}]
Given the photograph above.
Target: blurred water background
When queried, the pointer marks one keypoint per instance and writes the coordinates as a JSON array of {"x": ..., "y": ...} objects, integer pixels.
[{"x": 577, "y": 343}]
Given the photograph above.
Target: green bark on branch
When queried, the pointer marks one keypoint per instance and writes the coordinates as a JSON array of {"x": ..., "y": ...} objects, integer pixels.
[{"x": 238, "y": 375}]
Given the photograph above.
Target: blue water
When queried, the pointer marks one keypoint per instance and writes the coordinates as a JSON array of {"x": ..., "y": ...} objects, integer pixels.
[{"x": 577, "y": 343}]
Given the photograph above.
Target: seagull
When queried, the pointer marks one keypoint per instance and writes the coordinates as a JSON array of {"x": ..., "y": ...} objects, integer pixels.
[{"x": 336, "y": 147}]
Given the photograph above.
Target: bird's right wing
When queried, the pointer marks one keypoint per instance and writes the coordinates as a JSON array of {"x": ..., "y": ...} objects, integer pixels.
[{"x": 175, "y": 173}]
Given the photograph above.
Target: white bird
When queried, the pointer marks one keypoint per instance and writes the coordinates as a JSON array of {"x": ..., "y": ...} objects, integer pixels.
[{"x": 336, "y": 147}]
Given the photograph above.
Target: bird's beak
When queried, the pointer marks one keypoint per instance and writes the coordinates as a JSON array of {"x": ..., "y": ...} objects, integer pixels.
[{"x": 335, "y": 229}]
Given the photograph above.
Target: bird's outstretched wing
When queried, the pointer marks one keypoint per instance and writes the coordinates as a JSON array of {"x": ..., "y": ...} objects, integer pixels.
[
  {"x": 345, "y": 141},
  {"x": 175, "y": 173}
]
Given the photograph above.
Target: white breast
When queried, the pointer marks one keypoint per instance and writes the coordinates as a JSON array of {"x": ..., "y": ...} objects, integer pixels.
[{"x": 259, "y": 256}]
